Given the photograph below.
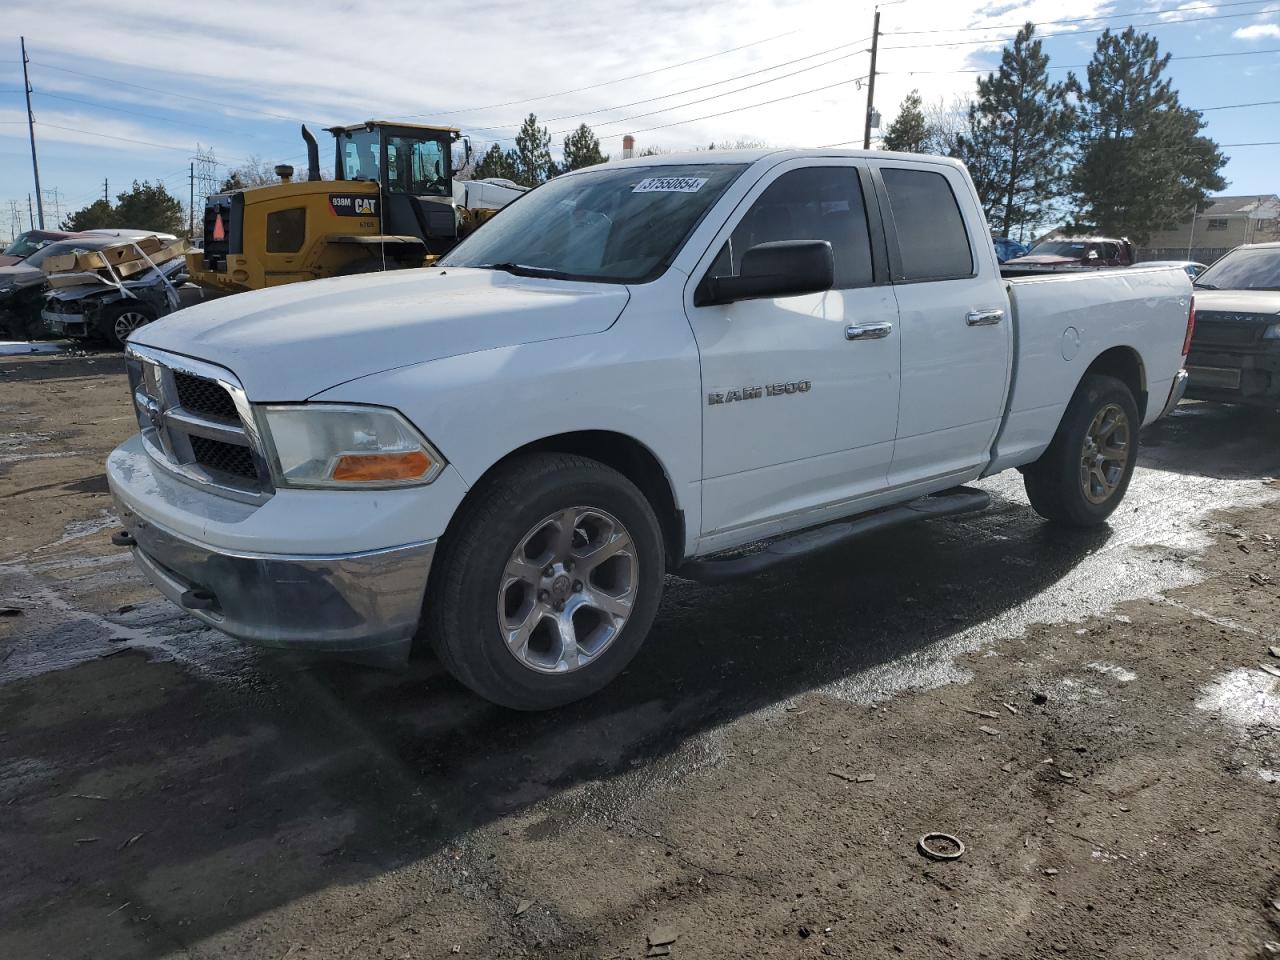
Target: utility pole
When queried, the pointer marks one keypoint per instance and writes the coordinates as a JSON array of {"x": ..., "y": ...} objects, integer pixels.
[
  {"x": 31, "y": 130},
  {"x": 30, "y": 216},
  {"x": 871, "y": 82},
  {"x": 106, "y": 193}
]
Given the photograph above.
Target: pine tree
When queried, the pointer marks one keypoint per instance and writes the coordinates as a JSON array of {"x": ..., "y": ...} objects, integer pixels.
[
  {"x": 909, "y": 131},
  {"x": 496, "y": 163},
  {"x": 150, "y": 206},
  {"x": 533, "y": 153},
  {"x": 582, "y": 149},
  {"x": 96, "y": 216},
  {"x": 1142, "y": 164},
  {"x": 1018, "y": 137}
]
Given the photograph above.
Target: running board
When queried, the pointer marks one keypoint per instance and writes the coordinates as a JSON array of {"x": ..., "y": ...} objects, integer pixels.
[{"x": 948, "y": 503}]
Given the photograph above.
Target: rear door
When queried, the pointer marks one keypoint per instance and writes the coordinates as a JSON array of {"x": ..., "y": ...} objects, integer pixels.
[
  {"x": 800, "y": 393},
  {"x": 955, "y": 332}
]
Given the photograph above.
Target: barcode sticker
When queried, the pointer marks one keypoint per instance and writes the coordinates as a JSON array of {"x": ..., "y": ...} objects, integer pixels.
[{"x": 670, "y": 185}]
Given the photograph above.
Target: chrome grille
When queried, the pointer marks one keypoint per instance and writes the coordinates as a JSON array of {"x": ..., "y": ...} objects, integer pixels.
[
  {"x": 202, "y": 396},
  {"x": 197, "y": 423}
]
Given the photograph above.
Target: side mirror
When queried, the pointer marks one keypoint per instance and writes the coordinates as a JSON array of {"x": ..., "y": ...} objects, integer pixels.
[{"x": 782, "y": 268}]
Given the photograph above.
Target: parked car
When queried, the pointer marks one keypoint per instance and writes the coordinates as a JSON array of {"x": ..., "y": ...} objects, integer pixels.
[
  {"x": 23, "y": 287},
  {"x": 1235, "y": 350},
  {"x": 1192, "y": 268},
  {"x": 28, "y": 243},
  {"x": 1077, "y": 253},
  {"x": 637, "y": 367},
  {"x": 1007, "y": 249}
]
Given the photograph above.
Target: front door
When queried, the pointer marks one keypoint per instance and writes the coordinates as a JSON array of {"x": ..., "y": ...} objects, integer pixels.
[{"x": 800, "y": 393}]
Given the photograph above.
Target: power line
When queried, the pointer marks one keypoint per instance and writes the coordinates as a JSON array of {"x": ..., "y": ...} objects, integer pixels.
[
  {"x": 1105, "y": 16},
  {"x": 1068, "y": 33},
  {"x": 750, "y": 106},
  {"x": 1261, "y": 143},
  {"x": 606, "y": 83},
  {"x": 136, "y": 113},
  {"x": 1236, "y": 106},
  {"x": 107, "y": 136},
  {"x": 704, "y": 86},
  {"x": 1081, "y": 66}
]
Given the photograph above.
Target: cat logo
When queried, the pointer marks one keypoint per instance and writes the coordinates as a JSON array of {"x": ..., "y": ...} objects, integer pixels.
[{"x": 353, "y": 205}]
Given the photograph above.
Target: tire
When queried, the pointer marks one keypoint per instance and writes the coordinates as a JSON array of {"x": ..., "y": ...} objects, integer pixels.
[
  {"x": 117, "y": 320},
  {"x": 1068, "y": 484},
  {"x": 485, "y": 585}
]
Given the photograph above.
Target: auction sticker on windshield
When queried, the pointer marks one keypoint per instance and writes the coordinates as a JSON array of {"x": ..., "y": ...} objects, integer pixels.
[{"x": 670, "y": 185}]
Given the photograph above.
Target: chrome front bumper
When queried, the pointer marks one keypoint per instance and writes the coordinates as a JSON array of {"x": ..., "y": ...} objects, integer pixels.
[
  {"x": 347, "y": 603},
  {"x": 1175, "y": 393}
]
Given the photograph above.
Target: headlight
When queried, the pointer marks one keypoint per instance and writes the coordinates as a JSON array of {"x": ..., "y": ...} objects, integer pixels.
[
  {"x": 1272, "y": 332},
  {"x": 336, "y": 445}
]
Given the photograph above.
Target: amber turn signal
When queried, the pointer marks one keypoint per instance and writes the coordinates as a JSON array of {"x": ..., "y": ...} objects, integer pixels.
[{"x": 381, "y": 467}]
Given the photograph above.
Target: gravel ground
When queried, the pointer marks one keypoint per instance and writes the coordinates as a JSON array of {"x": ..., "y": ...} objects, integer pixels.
[{"x": 1090, "y": 714}]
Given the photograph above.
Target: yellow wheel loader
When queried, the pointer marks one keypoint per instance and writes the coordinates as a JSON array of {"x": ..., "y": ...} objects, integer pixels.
[{"x": 394, "y": 204}]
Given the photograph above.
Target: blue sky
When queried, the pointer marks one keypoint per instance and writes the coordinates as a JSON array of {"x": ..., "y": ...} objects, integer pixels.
[{"x": 126, "y": 98}]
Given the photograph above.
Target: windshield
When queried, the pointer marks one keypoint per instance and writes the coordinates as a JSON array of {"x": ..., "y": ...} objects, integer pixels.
[
  {"x": 25, "y": 245},
  {"x": 1058, "y": 248},
  {"x": 1244, "y": 270},
  {"x": 623, "y": 225}
]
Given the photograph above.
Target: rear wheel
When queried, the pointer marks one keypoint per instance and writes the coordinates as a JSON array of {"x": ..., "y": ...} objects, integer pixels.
[
  {"x": 117, "y": 320},
  {"x": 547, "y": 582},
  {"x": 1084, "y": 474}
]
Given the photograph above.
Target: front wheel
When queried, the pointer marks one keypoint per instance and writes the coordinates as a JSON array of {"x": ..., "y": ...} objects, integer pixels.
[
  {"x": 1084, "y": 474},
  {"x": 546, "y": 583},
  {"x": 117, "y": 320}
]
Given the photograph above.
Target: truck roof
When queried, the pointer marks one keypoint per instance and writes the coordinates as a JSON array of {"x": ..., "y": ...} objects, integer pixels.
[
  {"x": 777, "y": 154},
  {"x": 368, "y": 124}
]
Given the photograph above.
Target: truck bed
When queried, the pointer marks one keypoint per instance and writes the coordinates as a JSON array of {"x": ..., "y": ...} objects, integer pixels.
[{"x": 1060, "y": 318}]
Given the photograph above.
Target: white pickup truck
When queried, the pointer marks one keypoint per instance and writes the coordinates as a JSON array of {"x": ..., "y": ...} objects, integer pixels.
[{"x": 633, "y": 370}]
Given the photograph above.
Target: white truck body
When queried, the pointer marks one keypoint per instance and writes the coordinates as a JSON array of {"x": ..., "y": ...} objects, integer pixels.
[{"x": 764, "y": 416}]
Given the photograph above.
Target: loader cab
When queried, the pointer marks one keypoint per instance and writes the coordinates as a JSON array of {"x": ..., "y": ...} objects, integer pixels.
[{"x": 413, "y": 167}]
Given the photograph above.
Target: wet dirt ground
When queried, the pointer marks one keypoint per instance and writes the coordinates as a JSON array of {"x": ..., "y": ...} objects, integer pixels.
[{"x": 1087, "y": 713}]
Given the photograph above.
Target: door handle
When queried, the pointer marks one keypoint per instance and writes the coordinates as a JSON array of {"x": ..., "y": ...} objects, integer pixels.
[
  {"x": 868, "y": 331},
  {"x": 983, "y": 318}
]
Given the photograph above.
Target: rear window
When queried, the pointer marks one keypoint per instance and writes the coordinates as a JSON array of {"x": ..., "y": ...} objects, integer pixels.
[{"x": 931, "y": 234}]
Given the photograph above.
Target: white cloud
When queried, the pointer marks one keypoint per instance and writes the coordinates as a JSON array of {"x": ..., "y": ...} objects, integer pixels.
[{"x": 1256, "y": 31}]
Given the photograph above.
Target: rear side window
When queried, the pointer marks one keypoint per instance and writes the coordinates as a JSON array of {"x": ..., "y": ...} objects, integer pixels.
[
  {"x": 815, "y": 203},
  {"x": 931, "y": 234},
  {"x": 286, "y": 229}
]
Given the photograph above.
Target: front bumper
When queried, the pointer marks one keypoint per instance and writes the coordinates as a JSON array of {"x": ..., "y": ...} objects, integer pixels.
[
  {"x": 65, "y": 324},
  {"x": 346, "y": 603},
  {"x": 1236, "y": 377}
]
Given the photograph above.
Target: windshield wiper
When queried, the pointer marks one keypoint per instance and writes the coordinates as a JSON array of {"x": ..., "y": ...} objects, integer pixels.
[
  {"x": 1204, "y": 286},
  {"x": 524, "y": 270}
]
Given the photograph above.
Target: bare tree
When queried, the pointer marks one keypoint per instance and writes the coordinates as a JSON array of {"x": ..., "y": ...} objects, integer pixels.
[{"x": 945, "y": 123}]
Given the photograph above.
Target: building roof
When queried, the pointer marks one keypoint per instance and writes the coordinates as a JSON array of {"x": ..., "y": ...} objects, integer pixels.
[{"x": 1240, "y": 206}]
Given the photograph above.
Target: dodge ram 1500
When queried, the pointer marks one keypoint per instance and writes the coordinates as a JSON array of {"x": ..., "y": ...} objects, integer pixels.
[{"x": 640, "y": 368}]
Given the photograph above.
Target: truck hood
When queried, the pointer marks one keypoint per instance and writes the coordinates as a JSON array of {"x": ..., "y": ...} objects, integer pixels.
[
  {"x": 291, "y": 342},
  {"x": 1238, "y": 301}
]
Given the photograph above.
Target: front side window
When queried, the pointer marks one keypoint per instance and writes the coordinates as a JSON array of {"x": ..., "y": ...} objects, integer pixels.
[
  {"x": 619, "y": 225},
  {"x": 931, "y": 235},
  {"x": 358, "y": 155},
  {"x": 417, "y": 167},
  {"x": 286, "y": 230},
  {"x": 815, "y": 203}
]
